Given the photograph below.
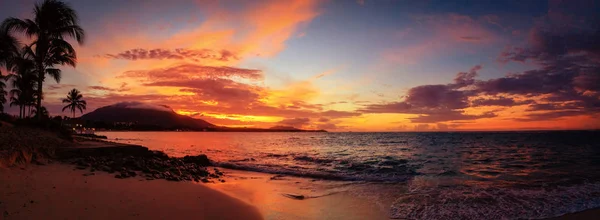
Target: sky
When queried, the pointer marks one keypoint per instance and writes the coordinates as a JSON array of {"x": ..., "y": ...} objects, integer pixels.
[{"x": 341, "y": 65}]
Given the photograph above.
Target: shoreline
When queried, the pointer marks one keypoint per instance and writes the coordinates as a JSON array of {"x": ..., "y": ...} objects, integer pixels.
[
  {"x": 260, "y": 195},
  {"x": 56, "y": 191}
]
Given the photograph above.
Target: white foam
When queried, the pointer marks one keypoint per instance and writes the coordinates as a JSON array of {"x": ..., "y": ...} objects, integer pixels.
[{"x": 495, "y": 203}]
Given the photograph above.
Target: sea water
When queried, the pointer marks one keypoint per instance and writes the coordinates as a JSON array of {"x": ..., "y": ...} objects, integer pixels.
[{"x": 446, "y": 175}]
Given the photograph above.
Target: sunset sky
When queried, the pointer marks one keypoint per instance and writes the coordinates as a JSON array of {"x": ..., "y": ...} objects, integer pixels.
[{"x": 347, "y": 65}]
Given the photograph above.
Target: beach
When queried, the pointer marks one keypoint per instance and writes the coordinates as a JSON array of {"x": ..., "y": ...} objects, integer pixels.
[
  {"x": 58, "y": 191},
  {"x": 99, "y": 179}
]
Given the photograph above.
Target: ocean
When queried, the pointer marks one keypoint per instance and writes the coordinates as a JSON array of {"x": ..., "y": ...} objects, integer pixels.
[{"x": 442, "y": 175}]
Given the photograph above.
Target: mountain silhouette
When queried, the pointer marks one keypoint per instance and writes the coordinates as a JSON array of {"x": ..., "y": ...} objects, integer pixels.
[{"x": 145, "y": 114}]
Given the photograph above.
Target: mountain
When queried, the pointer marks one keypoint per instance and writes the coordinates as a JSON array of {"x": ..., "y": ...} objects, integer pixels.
[{"x": 141, "y": 116}]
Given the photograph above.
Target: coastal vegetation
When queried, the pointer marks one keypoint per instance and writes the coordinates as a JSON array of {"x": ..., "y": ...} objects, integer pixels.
[
  {"x": 74, "y": 102},
  {"x": 53, "y": 23}
]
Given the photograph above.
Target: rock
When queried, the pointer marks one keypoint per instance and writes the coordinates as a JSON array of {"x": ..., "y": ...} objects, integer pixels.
[
  {"x": 124, "y": 174},
  {"x": 105, "y": 168},
  {"x": 131, "y": 173},
  {"x": 204, "y": 180},
  {"x": 199, "y": 160},
  {"x": 118, "y": 176},
  {"x": 79, "y": 167},
  {"x": 89, "y": 174}
]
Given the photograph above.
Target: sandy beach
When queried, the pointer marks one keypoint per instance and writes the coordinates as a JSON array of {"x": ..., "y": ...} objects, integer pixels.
[{"x": 56, "y": 191}]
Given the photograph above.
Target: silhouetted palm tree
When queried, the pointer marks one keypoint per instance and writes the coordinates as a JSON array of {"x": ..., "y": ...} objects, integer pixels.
[
  {"x": 2, "y": 93},
  {"x": 23, "y": 81},
  {"x": 8, "y": 49},
  {"x": 53, "y": 21},
  {"x": 44, "y": 113},
  {"x": 75, "y": 100}
]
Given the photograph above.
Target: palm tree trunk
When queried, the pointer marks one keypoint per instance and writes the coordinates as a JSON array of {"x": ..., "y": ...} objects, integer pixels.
[
  {"x": 39, "y": 85},
  {"x": 20, "y": 111}
]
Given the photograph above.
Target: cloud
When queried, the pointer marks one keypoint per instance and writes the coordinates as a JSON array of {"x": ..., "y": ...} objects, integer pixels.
[
  {"x": 220, "y": 90},
  {"x": 454, "y": 115},
  {"x": 141, "y": 105},
  {"x": 192, "y": 71},
  {"x": 60, "y": 86},
  {"x": 176, "y": 54},
  {"x": 324, "y": 119},
  {"x": 295, "y": 122},
  {"x": 107, "y": 89},
  {"x": 498, "y": 101},
  {"x": 553, "y": 88}
]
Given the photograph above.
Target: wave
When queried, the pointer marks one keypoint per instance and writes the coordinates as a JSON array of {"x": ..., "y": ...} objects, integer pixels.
[
  {"x": 496, "y": 203},
  {"x": 313, "y": 159},
  {"x": 356, "y": 172}
]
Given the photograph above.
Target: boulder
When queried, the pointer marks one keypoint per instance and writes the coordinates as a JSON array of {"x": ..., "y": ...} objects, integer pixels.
[{"x": 201, "y": 160}]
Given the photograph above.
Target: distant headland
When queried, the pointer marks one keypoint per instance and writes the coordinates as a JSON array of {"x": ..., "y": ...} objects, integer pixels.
[{"x": 135, "y": 116}]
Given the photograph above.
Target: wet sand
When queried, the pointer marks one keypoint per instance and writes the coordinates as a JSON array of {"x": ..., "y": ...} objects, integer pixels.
[
  {"x": 56, "y": 191},
  {"x": 286, "y": 197}
]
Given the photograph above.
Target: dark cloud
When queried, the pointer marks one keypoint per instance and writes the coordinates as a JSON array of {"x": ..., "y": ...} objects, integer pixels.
[
  {"x": 455, "y": 115},
  {"x": 435, "y": 103},
  {"x": 101, "y": 88},
  {"x": 328, "y": 126},
  {"x": 565, "y": 46},
  {"x": 107, "y": 89},
  {"x": 178, "y": 54},
  {"x": 221, "y": 90},
  {"x": 60, "y": 86},
  {"x": 192, "y": 71},
  {"x": 551, "y": 115},
  {"x": 324, "y": 119},
  {"x": 498, "y": 101},
  {"x": 295, "y": 122}
]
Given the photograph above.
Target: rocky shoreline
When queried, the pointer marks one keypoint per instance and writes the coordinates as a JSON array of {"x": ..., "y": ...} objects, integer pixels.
[{"x": 133, "y": 161}]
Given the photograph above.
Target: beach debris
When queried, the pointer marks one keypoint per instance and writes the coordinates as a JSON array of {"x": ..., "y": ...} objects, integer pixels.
[{"x": 294, "y": 196}]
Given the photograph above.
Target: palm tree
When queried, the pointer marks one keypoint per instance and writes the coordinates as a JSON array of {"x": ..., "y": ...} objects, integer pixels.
[
  {"x": 23, "y": 81},
  {"x": 2, "y": 93},
  {"x": 8, "y": 48},
  {"x": 53, "y": 22},
  {"x": 44, "y": 113},
  {"x": 75, "y": 101}
]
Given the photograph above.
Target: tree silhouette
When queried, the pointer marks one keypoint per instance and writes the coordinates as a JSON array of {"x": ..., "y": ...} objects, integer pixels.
[
  {"x": 8, "y": 49},
  {"x": 53, "y": 22},
  {"x": 75, "y": 101},
  {"x": 23, "y": 82}
]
